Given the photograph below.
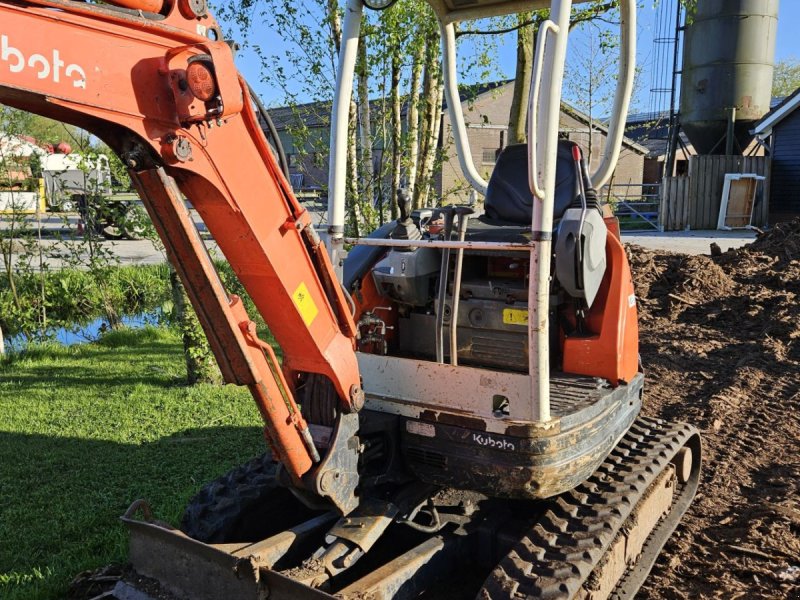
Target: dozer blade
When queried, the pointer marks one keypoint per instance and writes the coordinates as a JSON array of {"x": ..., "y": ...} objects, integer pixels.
[{"x": 187, "y": 568}]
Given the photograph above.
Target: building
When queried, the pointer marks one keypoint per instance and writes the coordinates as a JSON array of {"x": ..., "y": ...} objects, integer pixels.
[
  {"x": 304, "y": 132},
  {"x": 651, "y": 130},
  {"x": 779, "y": 131}
]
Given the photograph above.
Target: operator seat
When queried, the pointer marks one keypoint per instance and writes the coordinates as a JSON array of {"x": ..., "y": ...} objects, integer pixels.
[{"x": 508, "y": 196}]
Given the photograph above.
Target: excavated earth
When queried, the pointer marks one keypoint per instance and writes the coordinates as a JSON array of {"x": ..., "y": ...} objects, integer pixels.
[{"x": 720, "y": 341}]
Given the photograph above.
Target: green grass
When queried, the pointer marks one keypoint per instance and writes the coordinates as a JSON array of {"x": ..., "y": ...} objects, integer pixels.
[{"x": 84, "y": 431}]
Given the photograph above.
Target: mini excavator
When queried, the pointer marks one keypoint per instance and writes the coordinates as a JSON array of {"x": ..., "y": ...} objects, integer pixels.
[{"x": 457, "y": 410}]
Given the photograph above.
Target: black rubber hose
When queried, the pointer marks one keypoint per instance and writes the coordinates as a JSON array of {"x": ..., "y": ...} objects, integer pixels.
[{"x": 273, "y": 133}]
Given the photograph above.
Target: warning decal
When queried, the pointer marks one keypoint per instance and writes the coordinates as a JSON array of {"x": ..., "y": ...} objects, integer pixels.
[
  {"x": 305, "y": 304},
  {"x": 515, "y": 316}
]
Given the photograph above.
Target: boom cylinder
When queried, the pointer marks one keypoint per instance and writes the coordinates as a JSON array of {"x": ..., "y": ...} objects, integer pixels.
[{"x": 152, "y": 6}]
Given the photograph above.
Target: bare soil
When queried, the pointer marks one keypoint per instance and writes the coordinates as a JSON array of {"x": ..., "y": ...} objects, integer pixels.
[{"x": 719, "y": 341}]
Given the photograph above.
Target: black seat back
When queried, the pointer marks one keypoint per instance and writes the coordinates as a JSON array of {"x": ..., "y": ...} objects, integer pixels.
[{"x": 509, "y": 198}]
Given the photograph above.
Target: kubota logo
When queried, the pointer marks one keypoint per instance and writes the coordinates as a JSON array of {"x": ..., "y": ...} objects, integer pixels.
[{"x": 45, "y": 66}]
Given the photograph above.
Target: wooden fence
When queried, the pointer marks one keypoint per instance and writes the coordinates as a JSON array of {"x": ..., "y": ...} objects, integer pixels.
[
  {"x": 693, "y": 201},
  {"x": 673, "y": 213}
]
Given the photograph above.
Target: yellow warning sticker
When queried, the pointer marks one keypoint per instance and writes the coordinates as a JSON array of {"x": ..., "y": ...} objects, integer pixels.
[
  {"x": 305, "y": 304},
  {"x": 515, "y": 316}
]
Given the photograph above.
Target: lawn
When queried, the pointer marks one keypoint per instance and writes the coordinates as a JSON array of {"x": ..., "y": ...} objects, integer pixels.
[{"x": 84, "y": 431}]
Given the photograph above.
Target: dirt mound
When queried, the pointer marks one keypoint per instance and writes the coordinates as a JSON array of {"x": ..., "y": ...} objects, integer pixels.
[
  {"x": 719, "y": 342},
  {"x": 782, "y": 241},
  {"x": 674, "y": 282}
]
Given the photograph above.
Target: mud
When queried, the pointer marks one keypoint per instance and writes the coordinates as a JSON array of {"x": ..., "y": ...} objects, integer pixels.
[{"x": 719, "y": 341}]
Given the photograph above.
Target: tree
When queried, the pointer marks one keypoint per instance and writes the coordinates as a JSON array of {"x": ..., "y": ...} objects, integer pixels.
[
  {"x": 786, "y": 77},
  {"x": 527, "y": 27},
  {"x": 398, "y": 66},
  {"x": 42, "y": 129},
  {"x": 591, "y": 84}
]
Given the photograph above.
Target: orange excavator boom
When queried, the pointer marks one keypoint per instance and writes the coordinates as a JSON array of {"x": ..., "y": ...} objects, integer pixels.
[{"x": 163, "y": 92}]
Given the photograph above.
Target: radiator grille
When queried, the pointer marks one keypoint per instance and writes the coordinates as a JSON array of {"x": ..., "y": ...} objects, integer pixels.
[{"x": 426, "y": 457}]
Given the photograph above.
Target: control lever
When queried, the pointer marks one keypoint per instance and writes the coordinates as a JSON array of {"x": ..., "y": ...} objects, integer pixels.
[
  {"x": 448, "y": 213},
  {"x": 463, "y": 213}
]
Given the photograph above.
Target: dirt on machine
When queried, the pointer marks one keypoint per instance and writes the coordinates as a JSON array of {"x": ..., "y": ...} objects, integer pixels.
[{"x": 459, "y": 391}]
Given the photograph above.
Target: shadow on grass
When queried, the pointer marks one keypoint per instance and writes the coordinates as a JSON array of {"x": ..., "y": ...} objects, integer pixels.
[{"x": 61, "y": 497}]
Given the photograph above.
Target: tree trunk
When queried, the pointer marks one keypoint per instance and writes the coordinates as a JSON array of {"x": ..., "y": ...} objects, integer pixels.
[
  {"x": 397, "y": 132},
  {"x": 413, "y": 117},
  {"x": 352, "y": 195},
  {"x": 435, "y": 127},
  {"x": 518, "y": 115},
  {"x": 201, "y": 366},
  {"x": 335, "y": 24},
  {"x": 365, "y": 126},
  {"x": 433, "y": 90}
]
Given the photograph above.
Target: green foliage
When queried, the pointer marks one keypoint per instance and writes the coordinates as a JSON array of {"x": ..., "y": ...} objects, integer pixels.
[
  {"x": 303, "y": 66},
  {"x": 86, "y": 430},
  {"x": 786, "y": 77},
  {"x": 42, "y": 129},
  {"x": 125, "y": 338},
  {"x": 201, "y": 366},
  {"x": 71, "y": 297}
]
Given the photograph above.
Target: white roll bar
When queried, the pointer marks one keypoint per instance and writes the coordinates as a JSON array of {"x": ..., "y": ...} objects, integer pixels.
[
  {"x": 622, "y": 95},
  {"x": 544, "y": 116},
  {"x": 547, "y": 79},
  {"x": 340, "y": 121},
  {"x": 463, "y": 150}
]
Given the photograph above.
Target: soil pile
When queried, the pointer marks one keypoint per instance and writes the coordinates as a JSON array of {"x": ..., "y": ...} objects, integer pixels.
[
  {"x": 672, "y": 283},
  {"x": 719, "y": 341},
  {"x": 782, "y": 241}
]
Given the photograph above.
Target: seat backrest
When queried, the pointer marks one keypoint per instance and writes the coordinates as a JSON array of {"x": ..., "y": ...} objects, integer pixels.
[{"x": 508, "y": 197}]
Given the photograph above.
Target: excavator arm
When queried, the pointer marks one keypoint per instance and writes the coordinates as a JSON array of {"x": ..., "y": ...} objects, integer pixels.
[{"x": 155, "y": 81}]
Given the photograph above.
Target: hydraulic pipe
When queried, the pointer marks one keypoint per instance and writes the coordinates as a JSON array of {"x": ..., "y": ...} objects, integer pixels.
[
  {"x": 463, "y": 213},
  {"x": 447, "y": 213},
  {"x": 340, "y": 122}
]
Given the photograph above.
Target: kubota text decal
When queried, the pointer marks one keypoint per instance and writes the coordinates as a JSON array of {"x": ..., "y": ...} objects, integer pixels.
[{"x": 52, "y": 67}]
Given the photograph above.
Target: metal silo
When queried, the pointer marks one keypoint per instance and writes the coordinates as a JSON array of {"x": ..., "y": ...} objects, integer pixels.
[{"x": 728, "y": 58}]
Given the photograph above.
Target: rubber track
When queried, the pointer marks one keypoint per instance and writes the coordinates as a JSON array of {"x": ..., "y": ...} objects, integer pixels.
[{"x": 555, "y": 557}]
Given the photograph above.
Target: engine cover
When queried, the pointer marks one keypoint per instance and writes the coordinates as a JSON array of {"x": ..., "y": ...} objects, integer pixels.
[{"x": 408, "y": 277}]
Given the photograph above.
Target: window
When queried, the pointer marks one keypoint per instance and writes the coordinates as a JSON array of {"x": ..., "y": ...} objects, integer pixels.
[{"x": 489, "y": 156}]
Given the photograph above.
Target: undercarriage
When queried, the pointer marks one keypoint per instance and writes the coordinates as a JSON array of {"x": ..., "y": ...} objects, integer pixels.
[{"x": 598, "y": 540}]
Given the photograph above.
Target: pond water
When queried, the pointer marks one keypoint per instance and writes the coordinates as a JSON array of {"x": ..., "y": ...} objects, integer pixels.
[{"x": 81, "y": 334}]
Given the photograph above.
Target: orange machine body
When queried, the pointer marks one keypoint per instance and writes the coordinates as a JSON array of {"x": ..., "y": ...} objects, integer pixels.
[{"x": 610, "y": 349}]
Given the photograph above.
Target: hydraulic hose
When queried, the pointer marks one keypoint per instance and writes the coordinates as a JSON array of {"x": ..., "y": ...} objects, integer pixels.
[{"x": 273, "y": 133}]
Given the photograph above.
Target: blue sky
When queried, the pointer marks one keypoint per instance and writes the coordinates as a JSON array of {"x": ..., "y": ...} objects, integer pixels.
[{"x": 788, "y": 46}]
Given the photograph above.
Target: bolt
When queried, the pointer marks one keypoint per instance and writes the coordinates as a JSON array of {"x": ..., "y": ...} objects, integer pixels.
[{"x": 356, "y": 398}]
